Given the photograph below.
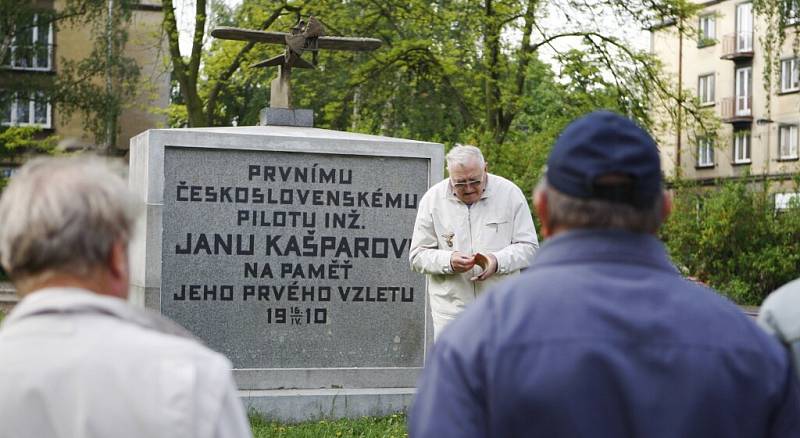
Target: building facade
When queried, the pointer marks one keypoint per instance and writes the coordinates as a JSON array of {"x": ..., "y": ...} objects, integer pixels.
[
  {"x": 55, "y": 44},
  {"x": 721, "y": 61}
]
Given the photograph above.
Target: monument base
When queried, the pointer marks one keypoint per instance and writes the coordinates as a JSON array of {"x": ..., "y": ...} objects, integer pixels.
[
  {"x": 355, "y": 346},
  {"x": 303, "y": 118},
  {"x": 298, "y": 405}
]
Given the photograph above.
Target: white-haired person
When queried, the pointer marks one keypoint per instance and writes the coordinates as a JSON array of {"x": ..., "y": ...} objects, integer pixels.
[
  {"x": 472, "y": 230},
  {"x": 75, "y": 359}
]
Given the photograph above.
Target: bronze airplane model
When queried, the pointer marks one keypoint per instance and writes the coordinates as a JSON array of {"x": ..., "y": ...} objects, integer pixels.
[{"x": 304, "y": 36}]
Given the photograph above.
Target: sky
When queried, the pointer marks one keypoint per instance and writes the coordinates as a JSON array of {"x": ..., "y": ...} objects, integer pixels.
[{"x": 184, "y": 15}]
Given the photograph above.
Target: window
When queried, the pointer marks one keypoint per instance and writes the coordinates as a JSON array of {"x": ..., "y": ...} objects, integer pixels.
[
  {"x": 707, "y": 30},
  {"x": 791, "y": 12},
  {"x": 705, "y": 89},
  {"x": 744, "y": 90},
  {"x": 705, "y": 152},
  {"x": 744, "y": 27},
  {"x": 787, "y": 142},
  {"x": 741, "y": 147},
  {"x": 32, "y": 46},
  {"x": 26, "y": 109},
  {"x": 784, "y": 201},
  {"x": 790, "y": 80}
]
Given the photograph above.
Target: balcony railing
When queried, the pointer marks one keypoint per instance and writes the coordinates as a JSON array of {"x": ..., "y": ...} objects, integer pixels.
[
  {"x": 737, "y": 109},
  {"x": 737, "y": 46}
]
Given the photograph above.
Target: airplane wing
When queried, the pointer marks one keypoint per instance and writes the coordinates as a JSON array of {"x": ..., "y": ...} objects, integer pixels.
[
  {"x": 235, "y": 33},
  {"x": 275, "y": 60},
  {"x": 294, "y": 61},
  {"x": 324, "y": 42},
  {"x": 348, "y": 43}
]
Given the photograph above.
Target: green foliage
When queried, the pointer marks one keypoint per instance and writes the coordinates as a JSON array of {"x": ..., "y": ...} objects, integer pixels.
[
  {"x": 548, "y": 105},
  {"x": 19, "y": 140},
  {"x": 446, "y": 72},
  {"x": 24, "y": 139},
  {"x": 430, "y": 79},
  {"x": 385, "y": 427},
  {"x": 733, "y": 239}
]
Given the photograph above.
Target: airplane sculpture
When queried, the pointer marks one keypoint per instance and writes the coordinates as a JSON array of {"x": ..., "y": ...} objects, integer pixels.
[{"x": 304, "y": 36}]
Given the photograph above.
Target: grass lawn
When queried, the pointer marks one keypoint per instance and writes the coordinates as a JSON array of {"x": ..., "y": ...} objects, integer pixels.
[{"x": 393, "y": 426}]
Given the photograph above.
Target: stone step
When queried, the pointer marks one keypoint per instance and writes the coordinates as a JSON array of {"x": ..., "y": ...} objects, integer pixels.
[{"x": 297, "y": 405}]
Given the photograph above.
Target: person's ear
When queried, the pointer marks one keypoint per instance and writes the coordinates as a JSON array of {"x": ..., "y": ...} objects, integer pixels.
[
  {"x": 118, "y": 269},
  {"x": 666, "y": 209},
  {"x": 541, "y": 207}
]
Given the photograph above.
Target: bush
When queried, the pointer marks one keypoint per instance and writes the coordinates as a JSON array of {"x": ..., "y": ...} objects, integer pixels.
[{"x": 733, "y": 239}]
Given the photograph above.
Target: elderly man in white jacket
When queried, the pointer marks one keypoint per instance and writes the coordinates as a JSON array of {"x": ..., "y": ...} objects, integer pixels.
[
  {"x": 472, "y": 230},
  {"x": 76, "y": 361}
]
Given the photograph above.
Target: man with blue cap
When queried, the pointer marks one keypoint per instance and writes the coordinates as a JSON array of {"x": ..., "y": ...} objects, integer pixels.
[{"x": 602, "y": 337}]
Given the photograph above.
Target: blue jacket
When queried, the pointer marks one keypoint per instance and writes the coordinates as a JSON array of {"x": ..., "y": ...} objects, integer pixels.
[{"x": 602, "y": 337}]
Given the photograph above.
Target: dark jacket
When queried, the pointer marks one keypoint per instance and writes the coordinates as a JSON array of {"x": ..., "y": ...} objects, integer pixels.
[{"x": 602, "y": 337}]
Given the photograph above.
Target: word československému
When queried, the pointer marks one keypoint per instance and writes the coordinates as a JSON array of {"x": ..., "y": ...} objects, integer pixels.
[{"x": 303, "y": 197}]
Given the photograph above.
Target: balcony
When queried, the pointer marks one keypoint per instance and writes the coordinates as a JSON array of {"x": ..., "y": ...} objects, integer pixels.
[
  {"x": 737, "y": 46},
  {"x": 737, "y": 110}
]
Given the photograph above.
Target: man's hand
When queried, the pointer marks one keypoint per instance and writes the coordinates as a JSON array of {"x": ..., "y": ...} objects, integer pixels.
[
  {"x": 461, "y": 262},
  {"x": 491, "y": 268}
]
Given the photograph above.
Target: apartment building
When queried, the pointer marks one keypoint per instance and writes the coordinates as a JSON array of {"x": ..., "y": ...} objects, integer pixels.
[
  {"x": 722, "y": 62},
  {"x": 55, "y": 44}
]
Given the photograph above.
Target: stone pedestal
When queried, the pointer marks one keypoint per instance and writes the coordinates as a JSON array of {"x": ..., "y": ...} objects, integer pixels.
[
  {"x": 302, "y": 118},
  {"x": 286, "y": 249}
]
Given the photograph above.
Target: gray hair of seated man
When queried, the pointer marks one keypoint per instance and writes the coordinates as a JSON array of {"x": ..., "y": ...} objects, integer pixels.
[
  {"x": 464, "y": 155},
  {"x": 63, "y": 215}
]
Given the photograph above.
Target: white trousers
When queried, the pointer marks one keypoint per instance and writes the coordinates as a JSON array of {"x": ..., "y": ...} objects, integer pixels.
[{"x": 439, "y": 322}]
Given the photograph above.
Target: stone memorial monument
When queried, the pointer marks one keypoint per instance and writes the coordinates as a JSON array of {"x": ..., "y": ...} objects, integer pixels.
[{"x": 286, "y": 249}]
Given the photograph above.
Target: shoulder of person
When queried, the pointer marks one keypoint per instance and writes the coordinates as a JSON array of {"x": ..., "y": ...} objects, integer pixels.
[
  {"x": 781, "y": 310},
  {"x": 437, "y": 190},
  {"x": 783, "y": 298},
  {"x": 149, "y": 341},
  {"x": 504, "y": 184}
]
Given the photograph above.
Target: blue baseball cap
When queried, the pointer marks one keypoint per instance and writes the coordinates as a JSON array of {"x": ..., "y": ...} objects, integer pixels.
[{"x": 606, "y": 143}]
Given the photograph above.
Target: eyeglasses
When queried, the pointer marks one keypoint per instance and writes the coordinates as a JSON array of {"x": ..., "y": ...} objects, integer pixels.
[{"x": 464, "y": 185}]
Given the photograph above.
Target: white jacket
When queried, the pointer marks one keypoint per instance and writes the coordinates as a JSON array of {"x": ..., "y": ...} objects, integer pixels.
[
  {"x": 75, "y": 364},
  {"x": 500, "y": 223},
  {"x": 780, "y": 316}
]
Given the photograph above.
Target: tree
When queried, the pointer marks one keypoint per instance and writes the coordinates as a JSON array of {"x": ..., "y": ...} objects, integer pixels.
[{"x": 438, "y": 56}]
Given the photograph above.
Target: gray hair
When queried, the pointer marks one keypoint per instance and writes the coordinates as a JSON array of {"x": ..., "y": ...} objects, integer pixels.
[
  {"x": 63, "y": 215},
  {"x": 569, "y": 212},
  {"x": 463, "y": 155}
]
